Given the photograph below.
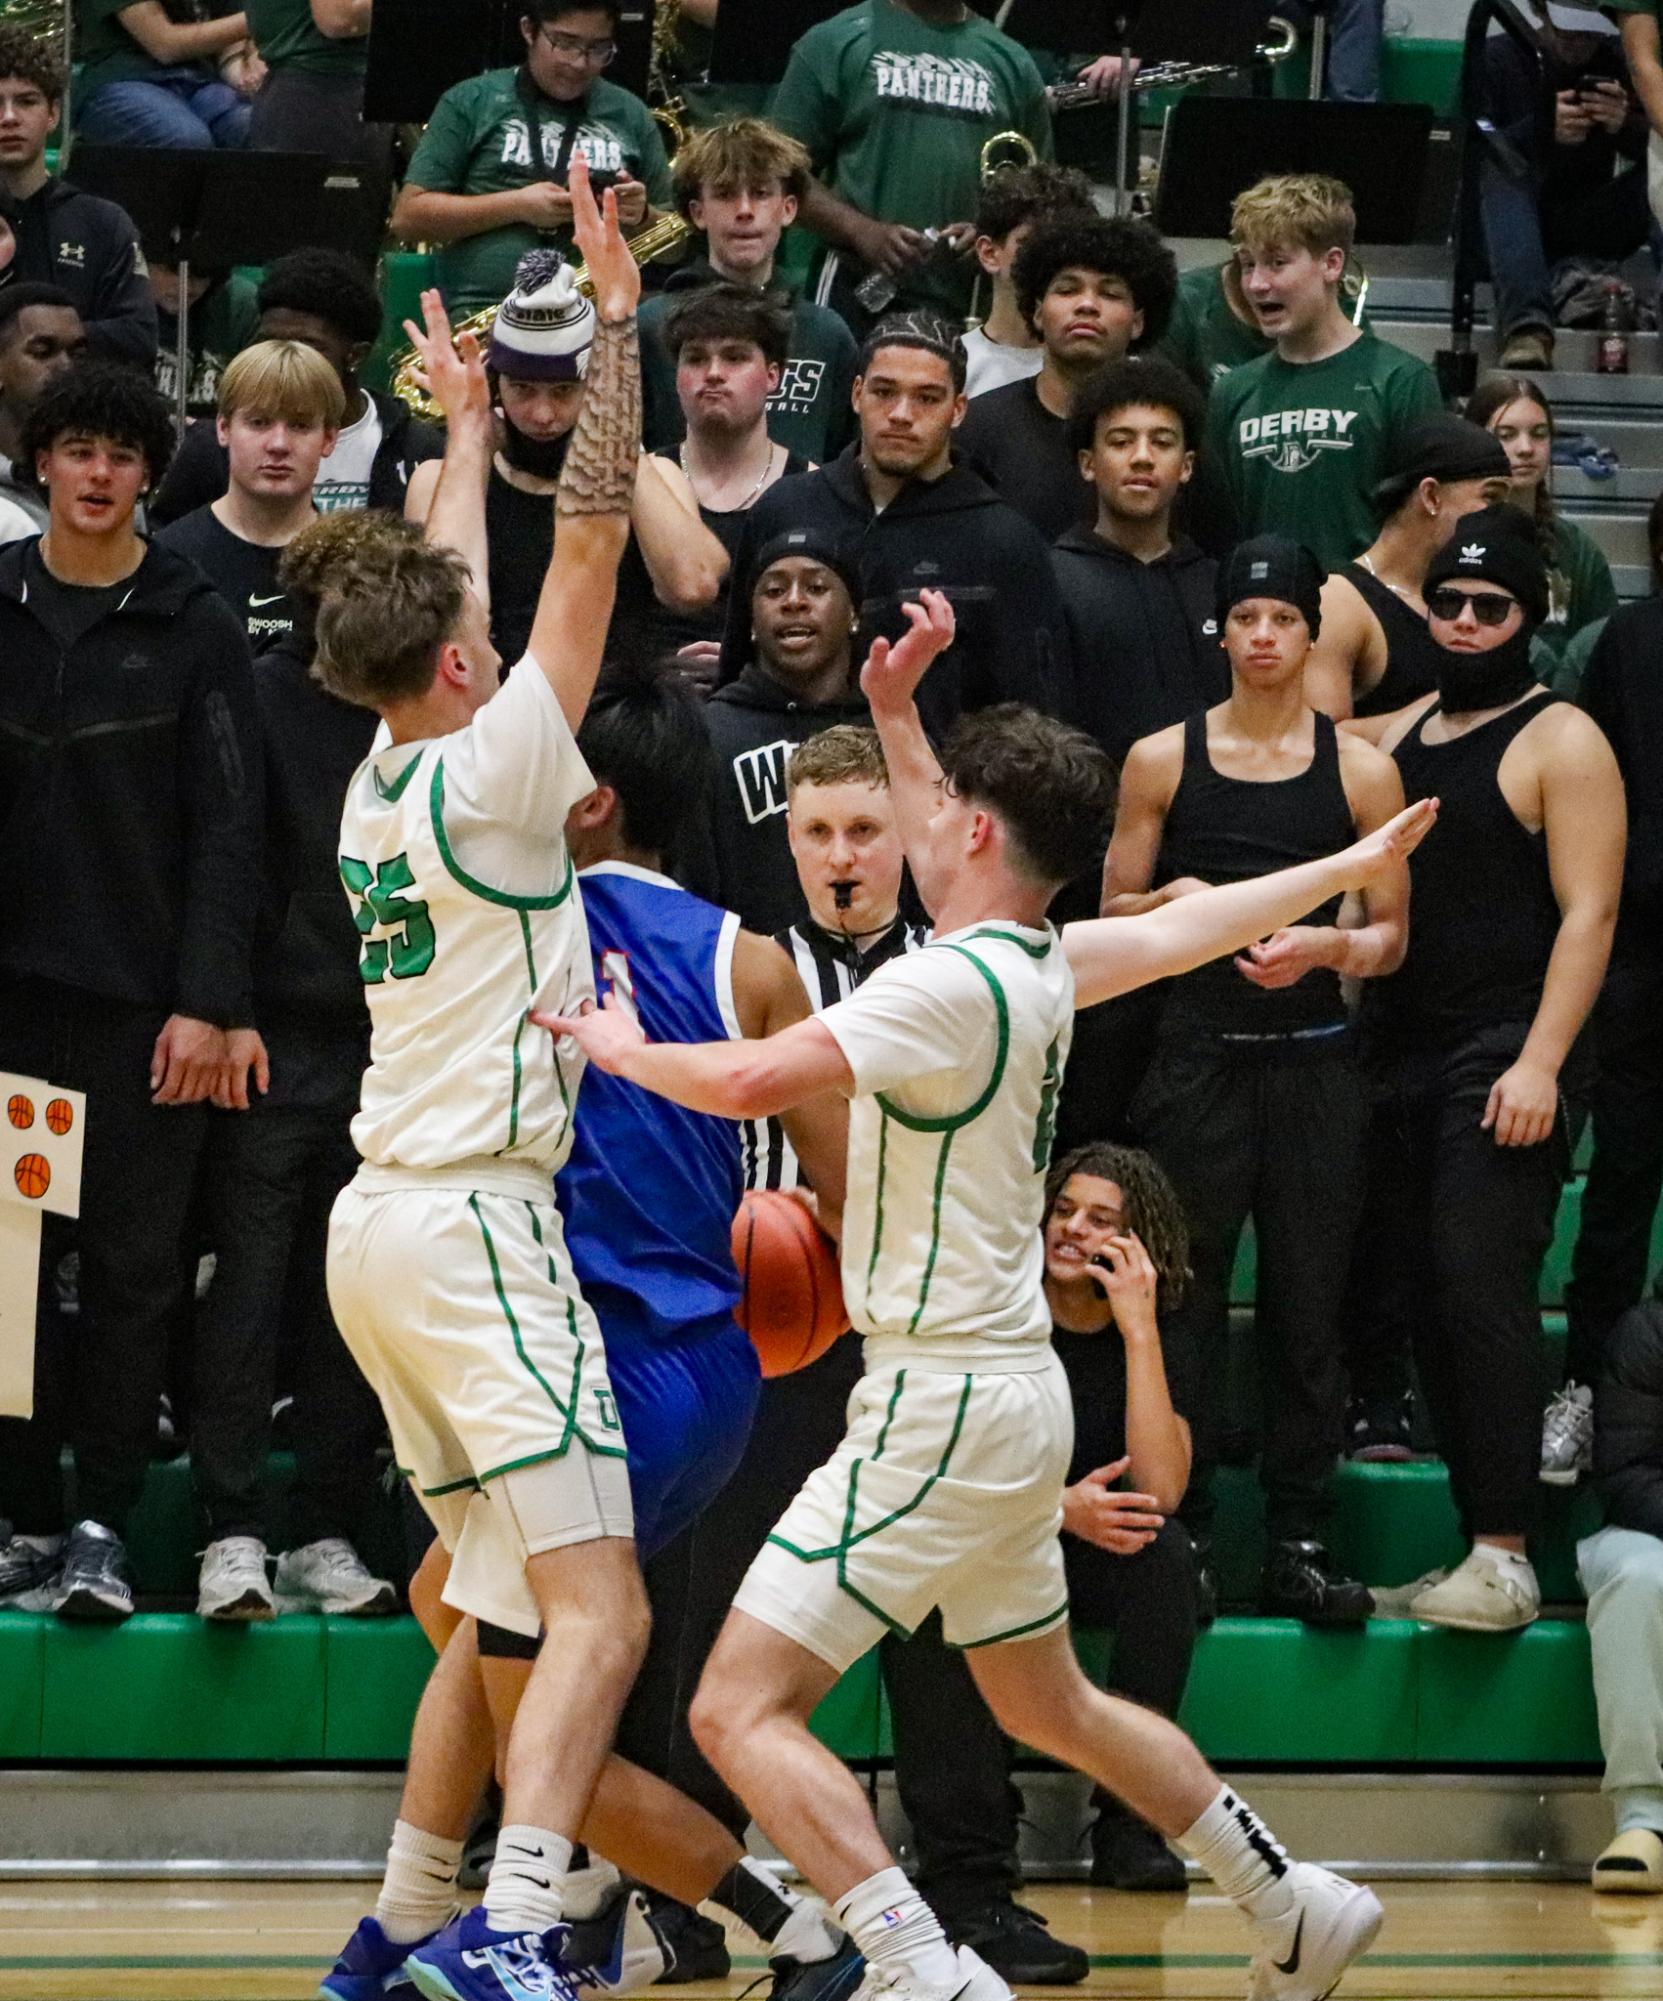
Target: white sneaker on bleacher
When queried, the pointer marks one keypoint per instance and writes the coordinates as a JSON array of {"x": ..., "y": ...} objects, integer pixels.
[
  {"x": 330, "y": 1576},
  {"x": 1492, "y": 1592},
  {"x": 1568, "y": 1436},
  {"x": 1303, "y": 1954},
  {"x": 231, "y": 1584}
]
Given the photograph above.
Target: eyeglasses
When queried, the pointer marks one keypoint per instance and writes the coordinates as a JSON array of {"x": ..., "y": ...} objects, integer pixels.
[
  {"x": 1488, "y": 607},
  {"x": 574, "y": 46}
]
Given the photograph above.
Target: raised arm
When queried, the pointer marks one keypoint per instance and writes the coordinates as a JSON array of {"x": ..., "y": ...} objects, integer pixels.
[
  {"x": 889, "y": 681},
  {"x": 770, "y": 997},
  {"x": 597, "y": 482},
  {"x": 685, "y": 561},
  {"x": 451, "y": 504},
  {"x": 1112, "y": 955}
]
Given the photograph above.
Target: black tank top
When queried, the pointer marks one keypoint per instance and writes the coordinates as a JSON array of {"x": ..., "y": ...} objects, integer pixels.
[
  {"x": 1411, "y": 651},
  {"x": 669, "y": 630},
  {"x": 520, "y": 528},
  {"x": 1231, "y": 830},
  {"x": 1482, "y": 918}
]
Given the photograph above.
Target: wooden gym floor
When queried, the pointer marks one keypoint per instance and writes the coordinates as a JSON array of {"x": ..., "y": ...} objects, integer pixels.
[{"x": 125, "y": 1941}]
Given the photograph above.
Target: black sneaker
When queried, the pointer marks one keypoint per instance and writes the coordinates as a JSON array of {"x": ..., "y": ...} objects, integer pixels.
[
  {"x": 1300, "y": 1582},
  {"x": 833, "y": 1979},
  {"x": 95, "y": 1583},
  {"x": 1377, "y": 1430},
  {"x": 25, "y": 1568},
  {"x": 699, "y": 1944},
  {"x": 1018, "y": 1945},
  {"x": 1128, "y": 1854}
]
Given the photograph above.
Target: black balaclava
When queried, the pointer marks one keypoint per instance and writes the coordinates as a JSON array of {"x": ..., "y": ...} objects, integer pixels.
[{"x": 1497, "y": 545}]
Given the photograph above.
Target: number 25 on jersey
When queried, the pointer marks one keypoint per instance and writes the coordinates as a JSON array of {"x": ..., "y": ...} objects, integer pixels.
[{"x": 406, "y": 951}]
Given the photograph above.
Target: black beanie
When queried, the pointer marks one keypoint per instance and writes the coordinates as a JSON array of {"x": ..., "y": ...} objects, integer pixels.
[
  {"x": 1443, "y": 448},
  {"x": 817, "y": 547},
  {"x": 1272, "y": 566},
  {"x": 1497, "y": 545}
]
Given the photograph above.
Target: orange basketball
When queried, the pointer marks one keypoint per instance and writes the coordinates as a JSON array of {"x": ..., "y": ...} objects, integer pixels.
[
  {"x": 33, "y": 1176},
  {"x": 792, "y": 1302},
  {"x": 60, "y": 1115},
  {"x": 20, "y": 1110}
]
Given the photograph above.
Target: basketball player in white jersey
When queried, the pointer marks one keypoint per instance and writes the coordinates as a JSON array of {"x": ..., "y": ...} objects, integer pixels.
[
  {"x": 447, "y": 1269},
  {"x": 946, "y": 1492}
]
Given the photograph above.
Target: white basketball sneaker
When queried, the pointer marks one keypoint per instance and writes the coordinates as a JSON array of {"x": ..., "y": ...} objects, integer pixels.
[
  {"x": 977, "y": 1981},
  {"x": 1303, "y": 1954}
]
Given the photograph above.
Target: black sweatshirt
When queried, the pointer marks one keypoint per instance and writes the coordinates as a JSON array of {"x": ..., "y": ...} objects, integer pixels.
[
  {"x": 201, "y": 469},
  {"x": 130, "y": 790},
  {"x": 1628, "y": 1422},
  {"x": 952, "y": 534},
  {"x": 754, "y": 724},
  {"x": 90, "y": 248},
  {"x": 1143, "y": 637},
  {"x": 1622, "y": 691}
]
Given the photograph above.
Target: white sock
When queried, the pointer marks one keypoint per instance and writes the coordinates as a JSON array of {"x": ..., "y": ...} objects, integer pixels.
[
  {"x": 805, "y": 1935},
  {"x": 898, "y": 1932},
  {"x": 1241, "y": 1855},
  {"x": 525, "y": 1890},
  {"x": 588, "y": 1888},
  {"x": 418, "y": 1893}
]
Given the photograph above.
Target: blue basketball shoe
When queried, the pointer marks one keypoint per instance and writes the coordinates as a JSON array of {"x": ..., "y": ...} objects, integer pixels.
[{"x": 370, "y": 1968}]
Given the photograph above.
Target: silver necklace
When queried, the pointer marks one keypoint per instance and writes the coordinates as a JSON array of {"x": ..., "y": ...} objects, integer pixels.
[
  {"x": 761, "y": 478},
  {"x": 1397, "y": 589}
]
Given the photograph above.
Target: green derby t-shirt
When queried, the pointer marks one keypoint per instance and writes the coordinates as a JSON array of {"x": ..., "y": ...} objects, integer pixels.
[
  {"x": 478, "y": 142},
  {"x": 1304, "y": 444}
]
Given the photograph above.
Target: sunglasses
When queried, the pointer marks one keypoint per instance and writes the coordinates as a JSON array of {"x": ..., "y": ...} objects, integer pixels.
[{"x": 1488, "y": 607}]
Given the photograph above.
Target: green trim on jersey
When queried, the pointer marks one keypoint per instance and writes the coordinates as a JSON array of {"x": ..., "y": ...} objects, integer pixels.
[
  {"x": 877, "y": 1199},
  {"x": 449, "y": 1487},
  {"x": 603, "y": 1451},
  {"x": 1012, "y": 1632},
  {"x": 1014, "y": 938},
  {"x": 502, "y": 897},
  {"x": 519, "y": 1030},
  {"x": 951, "y": 1121},
  {"x": 542, "y": 1382},
  {"x": 935, "y": 1234},
  {"x": 395, "y": 792}
]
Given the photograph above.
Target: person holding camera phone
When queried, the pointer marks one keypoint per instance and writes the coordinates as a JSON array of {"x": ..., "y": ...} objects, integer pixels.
[{"x": 1575, "y": 188}]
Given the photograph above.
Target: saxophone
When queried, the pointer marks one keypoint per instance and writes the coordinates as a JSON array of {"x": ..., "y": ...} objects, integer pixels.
[{"x": 657, "y": 239}]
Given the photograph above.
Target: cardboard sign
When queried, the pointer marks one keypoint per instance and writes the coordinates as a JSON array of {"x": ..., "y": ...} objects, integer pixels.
[
  {"x": 40, "y": 1166},
  {"x": 19, "y": 1278}
]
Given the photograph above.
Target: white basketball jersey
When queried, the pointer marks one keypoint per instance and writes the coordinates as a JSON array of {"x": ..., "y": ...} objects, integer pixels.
[
  {"x": 958, "y": 1054},
  {"x": 454, "y": 858}
]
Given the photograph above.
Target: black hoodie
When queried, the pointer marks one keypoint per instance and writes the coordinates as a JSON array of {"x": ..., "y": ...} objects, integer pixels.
[
  {"x": 201, "y": 468},
  {"x": 1142, "y": 637},
  {"x": 952, "y": 534},
  {"x": 1623, "y": 692},
  {"x": 130, "y": 791},
  {"x": 89, "y": 247},
  {"x": 754, "y": 724},
  {"x": 1628, "y": 1422}
]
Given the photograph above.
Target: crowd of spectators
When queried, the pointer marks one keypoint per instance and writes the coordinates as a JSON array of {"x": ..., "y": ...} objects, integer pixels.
[{"x": 1213, "y": 520}]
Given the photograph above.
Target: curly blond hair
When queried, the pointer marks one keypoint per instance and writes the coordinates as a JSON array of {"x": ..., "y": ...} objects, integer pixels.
[{"x": 1311, "y": 212}]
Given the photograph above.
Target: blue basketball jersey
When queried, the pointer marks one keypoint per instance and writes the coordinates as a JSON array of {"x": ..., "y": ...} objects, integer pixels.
[{"x": 650, "y": 1190}]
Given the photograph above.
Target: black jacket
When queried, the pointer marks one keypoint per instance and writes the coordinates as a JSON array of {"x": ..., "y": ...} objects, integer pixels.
[
  {"x": 1628, "y": 1422},
  {"x": 1142, "y": 637},
  {"x": 754, "y": 724},
  {"x": 130, "y": 793},
  {"x": 90, "y": 248},
  {"x": 306, "y": 960},
  {"x": 952, "y": 534},
  {"x": 201, "y": 468},
  {"x": 1623, "y": 691}
]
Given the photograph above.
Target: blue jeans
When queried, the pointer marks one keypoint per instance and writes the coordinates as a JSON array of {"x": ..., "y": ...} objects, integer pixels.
[
  {"x": 186, "y": 106},
  {"x": 1356, "y": 29}
]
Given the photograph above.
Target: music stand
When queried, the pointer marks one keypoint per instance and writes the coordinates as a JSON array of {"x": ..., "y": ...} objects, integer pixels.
[
  {"x": 1214, "y": 147},
  {"x": 418, "y": 48},
  {"x": 217, "y": 209}
]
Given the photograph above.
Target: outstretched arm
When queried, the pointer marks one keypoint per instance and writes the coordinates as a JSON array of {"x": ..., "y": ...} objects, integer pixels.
[
  {"x": 770, "y": 997},
  {"x": 889, "y": 681},
  {"x": 597, "y": 482},
  {"x": 734, "y": 1080},
  {"x": 1112, "y": 955},
  {"x": 453, "y": 373}
]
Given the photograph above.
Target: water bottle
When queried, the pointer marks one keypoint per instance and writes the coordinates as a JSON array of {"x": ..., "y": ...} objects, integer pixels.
[
  {"x": 876, "y": 291},
  {"x": 1613, "y": 337}
]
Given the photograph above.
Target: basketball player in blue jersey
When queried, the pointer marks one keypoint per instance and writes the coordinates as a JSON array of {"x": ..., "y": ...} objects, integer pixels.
[{"x": 946, "y": 1492}]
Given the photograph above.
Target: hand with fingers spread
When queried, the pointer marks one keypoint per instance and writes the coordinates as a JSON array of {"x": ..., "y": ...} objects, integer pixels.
[
  {"x": 452, "y": 371},
  {"x": 1523, "y": 1105},
  {"x": 613, "y": 274},
  {"x": 606, "y": 1035},
  {"x": 1098, "y": 1512},
  {"x": 894, "y": 668}
]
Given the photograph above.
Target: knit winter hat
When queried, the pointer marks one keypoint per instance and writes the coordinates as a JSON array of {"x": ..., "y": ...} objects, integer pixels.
[
  {"x": 543, "y": 328},
  {"x": 1442, "y": 448},
  {"x": 1497, "y": 545},
  {"x": 827, "y": 550},
  {"x": 1272, "y": 566}
]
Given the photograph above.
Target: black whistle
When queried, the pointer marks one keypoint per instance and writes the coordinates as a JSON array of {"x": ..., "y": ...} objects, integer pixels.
[{"x": 843, "y": 894}]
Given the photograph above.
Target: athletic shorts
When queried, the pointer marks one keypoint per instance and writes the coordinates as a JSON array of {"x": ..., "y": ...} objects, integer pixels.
[
  {"x": 946, "y": 1492},
  {"x": 687, "y": 1407},
  {"x": 462, "y": 1312}
]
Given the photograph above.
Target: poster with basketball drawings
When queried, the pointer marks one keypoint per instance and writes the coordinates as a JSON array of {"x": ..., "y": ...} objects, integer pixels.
[
  {"x": 40, "y": 1169},
  {"x": 43, "y": 1134}
]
